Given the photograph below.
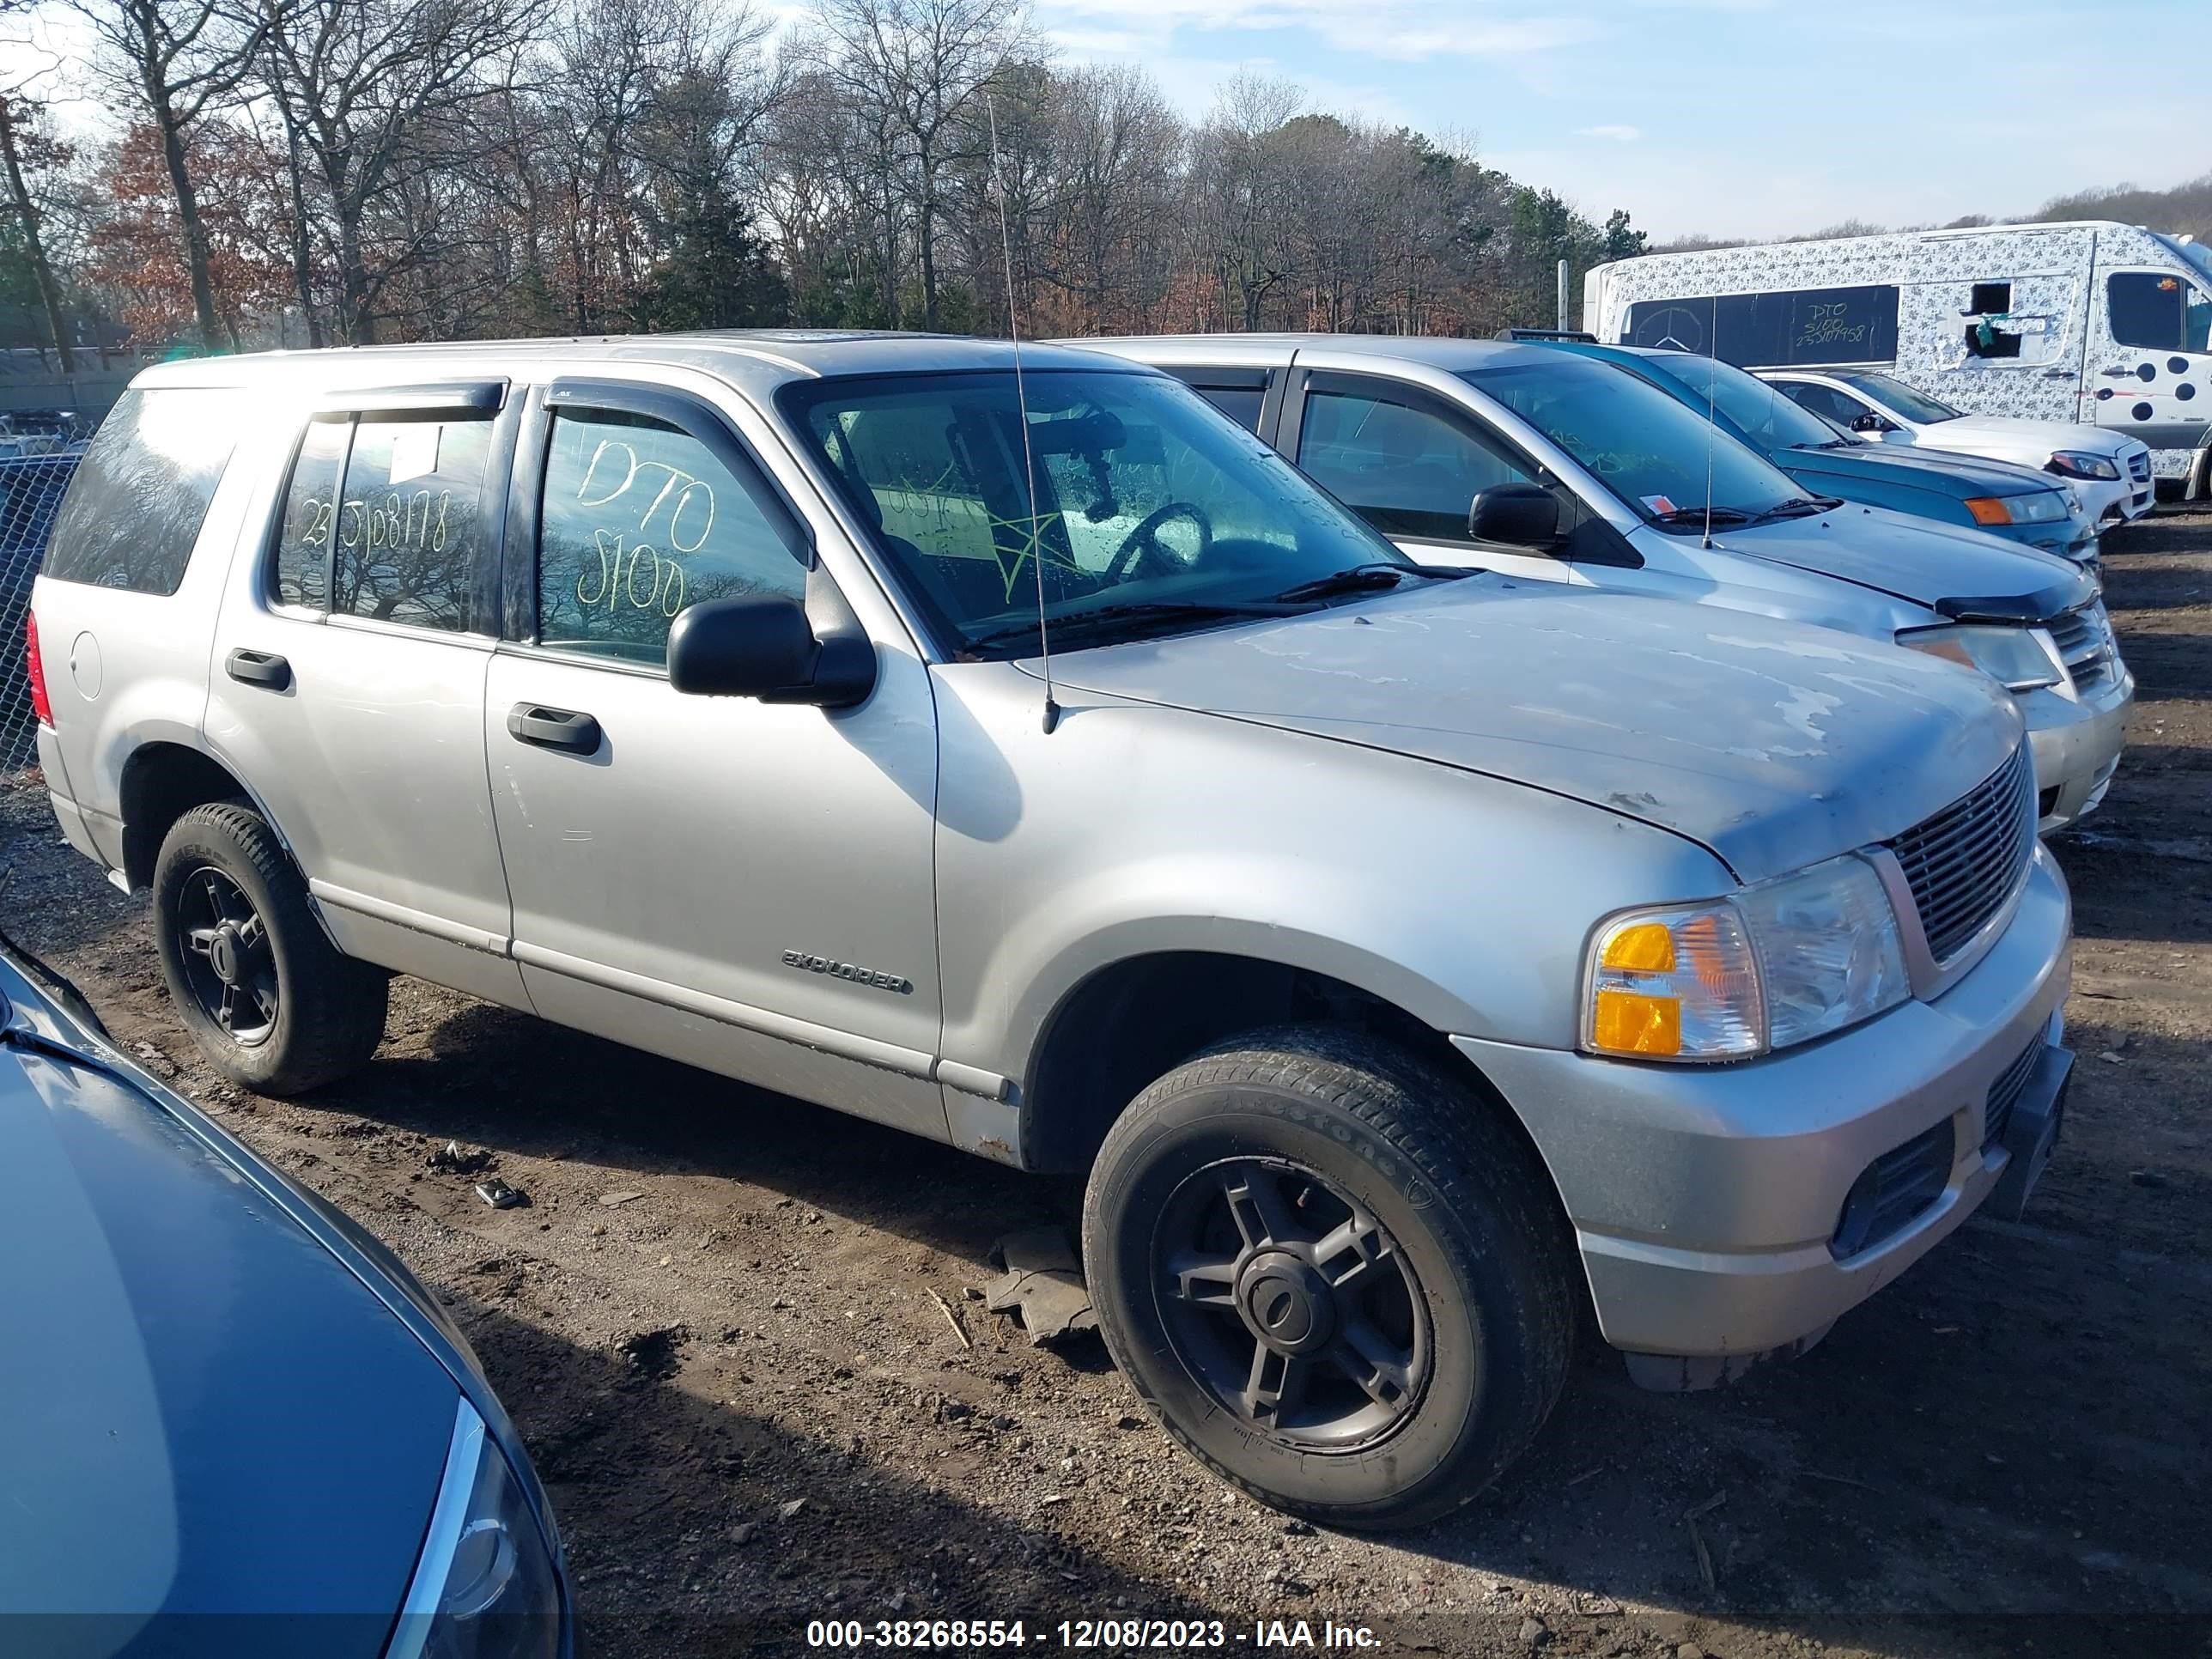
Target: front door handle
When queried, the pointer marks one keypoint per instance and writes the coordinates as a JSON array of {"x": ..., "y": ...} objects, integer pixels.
[
  {"x": 258, "y": 668},
  {"x": 553, "y": 728},
  {"x": 2057, "y": 374},
  {"x": 2121, "y": 372}
]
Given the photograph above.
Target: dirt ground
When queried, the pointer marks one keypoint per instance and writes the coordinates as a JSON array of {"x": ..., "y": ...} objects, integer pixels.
[{"x": 719, "y": 1325}]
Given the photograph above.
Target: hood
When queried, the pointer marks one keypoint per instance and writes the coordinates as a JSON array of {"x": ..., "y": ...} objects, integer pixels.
[
  {"x": 203, "y": 1410},
  {"x": 1773, "y": 744},
  {"x": 1956, "y": 475},
  {"x": 2004, "y": 429},
  {"x": 1937, "y": 565}
]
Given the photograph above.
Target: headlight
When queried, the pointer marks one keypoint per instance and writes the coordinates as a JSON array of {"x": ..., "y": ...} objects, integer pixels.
[
  {"x": 2018, "y": 658},
  {"x": 2079, "y": 464},
  {"x": 1778, "y": 963},
  {"x": 2033, "y": 507},
  {"x": 485, "y": 1586}
]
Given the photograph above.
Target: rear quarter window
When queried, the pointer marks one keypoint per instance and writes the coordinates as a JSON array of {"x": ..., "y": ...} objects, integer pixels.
[{"x": 142, "y": 487}]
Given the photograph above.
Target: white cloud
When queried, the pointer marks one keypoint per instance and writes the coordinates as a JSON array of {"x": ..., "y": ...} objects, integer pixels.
[
  {"x": 1404, "y": 30},
  {"x": 1619, "y": 134}
]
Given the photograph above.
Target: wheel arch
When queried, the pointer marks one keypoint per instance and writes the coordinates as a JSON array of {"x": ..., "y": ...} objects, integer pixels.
[
  {"x": 162, "y": 780},
  {"x": 1132, "y": 1020}
]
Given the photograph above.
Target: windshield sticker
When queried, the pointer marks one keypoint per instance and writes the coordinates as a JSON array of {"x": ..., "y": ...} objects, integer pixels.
[{"x": 1661, "y": 505}]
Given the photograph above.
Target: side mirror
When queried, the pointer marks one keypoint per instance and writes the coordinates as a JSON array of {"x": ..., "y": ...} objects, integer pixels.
[
  {"x": 765, "y": 647},
  {"x": 1514, "y": 515},
  {"x": 1869, "y": 423}
]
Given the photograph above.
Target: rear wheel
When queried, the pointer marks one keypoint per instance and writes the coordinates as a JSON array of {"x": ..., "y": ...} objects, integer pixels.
[
  {"x": 1338, "y": 1278},
  {"x": 266, "y": 996}
]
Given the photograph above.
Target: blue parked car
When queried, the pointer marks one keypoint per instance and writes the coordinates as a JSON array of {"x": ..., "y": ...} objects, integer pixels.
[
  {"x": 230, "y": 1422},
  {"x": 2016, "y": 502}
]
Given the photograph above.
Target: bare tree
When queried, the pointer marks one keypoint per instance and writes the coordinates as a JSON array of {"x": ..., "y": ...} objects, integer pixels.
[
  {"x": 1244, "y": 181},
  {"x": 834, "y": 195},
  {"x": 382, "y": 95},
  {"x": 1119, "y": 152},
  {"x": 441, "y": 167},
  {"x": 16, "y": 115},
  {"x": 177, "y": 58},
  {"x": 914, "y": 68}
]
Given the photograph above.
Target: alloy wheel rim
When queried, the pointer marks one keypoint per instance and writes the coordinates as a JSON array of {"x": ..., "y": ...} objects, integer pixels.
[
  {"x": 1290, "y": 1305},
  {"x": 229, "y": 966}
]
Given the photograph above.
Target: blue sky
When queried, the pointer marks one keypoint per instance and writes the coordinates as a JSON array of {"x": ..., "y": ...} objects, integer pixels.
[{"x": 1744, "y": 118}]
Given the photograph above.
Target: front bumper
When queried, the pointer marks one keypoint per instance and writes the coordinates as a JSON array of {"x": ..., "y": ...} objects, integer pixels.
[
  {"x": 2108, "y": 501},
  {"x": 1704, "y": 1199},
  {"x": 2076, "y": 748},
  {"x": 2073, "y": 539}
]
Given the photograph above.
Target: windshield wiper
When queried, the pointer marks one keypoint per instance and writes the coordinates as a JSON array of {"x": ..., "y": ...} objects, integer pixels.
[
  {"x": 1798, "y": 506},
  {"x": 1360, "y": 578},
  {"x": 1136, "y": 613},
  {"x": 1699, "y": 514}
]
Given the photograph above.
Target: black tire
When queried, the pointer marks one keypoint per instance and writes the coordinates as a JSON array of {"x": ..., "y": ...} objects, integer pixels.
[
  {"x": 1358, "y": 1132},
  {"x": 299, "y": 1013}
]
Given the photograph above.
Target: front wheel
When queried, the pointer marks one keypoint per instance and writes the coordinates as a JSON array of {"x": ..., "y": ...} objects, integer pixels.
[
  {"x": 268, "y": 997},
  {"x": 1336, "y": 1277}
]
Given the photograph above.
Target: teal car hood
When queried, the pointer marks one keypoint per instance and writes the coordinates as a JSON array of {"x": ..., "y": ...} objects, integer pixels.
[{"x": 1958, "y": 477}]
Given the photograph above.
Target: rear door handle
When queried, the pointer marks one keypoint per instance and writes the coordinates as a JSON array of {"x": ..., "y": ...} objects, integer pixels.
[
  {"x": 553, "y": 728},
  {"x": 258, "y": 668}
]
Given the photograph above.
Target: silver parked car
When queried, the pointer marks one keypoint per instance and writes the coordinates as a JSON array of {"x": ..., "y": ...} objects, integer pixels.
[
  {"x": 1432, "y": 440},
  {"x": 1409, "y": 957}
]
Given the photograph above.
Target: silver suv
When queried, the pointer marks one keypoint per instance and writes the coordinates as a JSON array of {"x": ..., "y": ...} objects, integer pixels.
[{"x": 1410, "y": 958}]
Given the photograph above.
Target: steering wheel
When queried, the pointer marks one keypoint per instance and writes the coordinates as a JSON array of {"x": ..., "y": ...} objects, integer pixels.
[{"x": 1141, "y": 546}]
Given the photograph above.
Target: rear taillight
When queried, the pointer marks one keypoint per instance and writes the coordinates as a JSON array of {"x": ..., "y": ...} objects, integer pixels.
[{"x": 41, "y": 705}]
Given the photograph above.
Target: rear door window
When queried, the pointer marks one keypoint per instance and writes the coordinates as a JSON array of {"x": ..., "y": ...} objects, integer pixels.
[
  {"x": 142, "y": 489},
  {"x": 383, "y": 520},
  {"x": 302, "y": 575},
  {"x": 407, "y": 531}
]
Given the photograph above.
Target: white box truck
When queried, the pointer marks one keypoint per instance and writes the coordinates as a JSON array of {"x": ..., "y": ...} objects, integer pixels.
[{"x": 2096, "y": 322}]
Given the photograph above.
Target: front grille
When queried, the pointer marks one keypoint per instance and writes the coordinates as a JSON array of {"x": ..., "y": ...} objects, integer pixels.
[
  {"x": 2139, "y": 465},
  {"x": 1963, "y": 863},
  {"x": 1895, "y": 1190},
  {"x": 2004, "y": 1094},
  {"x": 2084, "y": 638}
]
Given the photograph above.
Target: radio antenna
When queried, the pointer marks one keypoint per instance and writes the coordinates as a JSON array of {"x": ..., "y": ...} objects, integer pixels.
[
  {"x": 1712, "y": 397},
  {"x": 1021, "y": 405}
]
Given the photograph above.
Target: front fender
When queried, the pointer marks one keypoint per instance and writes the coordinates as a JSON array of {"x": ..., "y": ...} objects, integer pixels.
[{"x": 1134, "y": 829}]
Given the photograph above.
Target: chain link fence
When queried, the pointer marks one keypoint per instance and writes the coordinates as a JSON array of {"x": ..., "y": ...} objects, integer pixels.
[{"x": 31, "y": 488}]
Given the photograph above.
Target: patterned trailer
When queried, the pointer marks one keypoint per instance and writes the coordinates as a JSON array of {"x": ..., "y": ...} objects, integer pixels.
[{"x": 2097, "y": 323}]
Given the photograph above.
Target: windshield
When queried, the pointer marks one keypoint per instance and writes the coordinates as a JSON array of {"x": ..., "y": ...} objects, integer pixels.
[
  {"x": 1646, "y": 447},
  {"x": 1761, "y": 410},
  {"x": 1913, "y": 404},
  {"x": 1149, "y": 503}
]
